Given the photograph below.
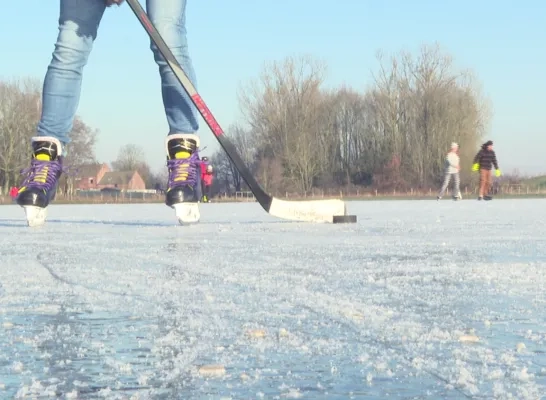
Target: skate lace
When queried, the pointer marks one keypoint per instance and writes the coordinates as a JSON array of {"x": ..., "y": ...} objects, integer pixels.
[
  {"x": 183, "y": 172},
  {"x": 42, "y": 174}
]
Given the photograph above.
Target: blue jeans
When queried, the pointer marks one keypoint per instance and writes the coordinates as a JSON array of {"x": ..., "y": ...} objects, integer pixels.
[{"x": 79, "y": 21}]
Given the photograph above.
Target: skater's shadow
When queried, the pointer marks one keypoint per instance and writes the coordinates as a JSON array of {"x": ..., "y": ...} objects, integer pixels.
[
  {"x": 115, "y": 223},
  {"x": 162, "y": 224},
  {"x": 13, "y": 223},
  {"x": 19, "y": 223}
]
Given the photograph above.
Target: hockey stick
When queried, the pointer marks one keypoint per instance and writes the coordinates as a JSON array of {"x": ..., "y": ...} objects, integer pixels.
[{"x": 312, "y": 211}]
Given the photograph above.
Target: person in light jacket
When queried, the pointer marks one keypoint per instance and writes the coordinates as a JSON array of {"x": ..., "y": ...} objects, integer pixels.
[{"x": 452, "y": 169}]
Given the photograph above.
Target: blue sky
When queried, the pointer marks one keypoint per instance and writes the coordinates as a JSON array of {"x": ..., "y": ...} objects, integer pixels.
[{"x": 503, "y": 42}]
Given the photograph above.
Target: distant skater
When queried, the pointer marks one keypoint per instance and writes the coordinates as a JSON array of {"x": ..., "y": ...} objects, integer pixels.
[
  {"x": 14, "y": 191},
  {"x": 484, "y": 162},
  {"x": 452, "y": 168},
  {"x": 206, "y": 179}
]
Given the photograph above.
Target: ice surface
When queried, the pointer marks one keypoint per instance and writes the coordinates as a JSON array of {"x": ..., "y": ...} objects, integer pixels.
[{"x": 419, "y": 299}]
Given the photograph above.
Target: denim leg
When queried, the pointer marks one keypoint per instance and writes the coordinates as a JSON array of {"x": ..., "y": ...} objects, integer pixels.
[
  {"x": 169, "y": 18},
  {"x": 78, "y": 24}
]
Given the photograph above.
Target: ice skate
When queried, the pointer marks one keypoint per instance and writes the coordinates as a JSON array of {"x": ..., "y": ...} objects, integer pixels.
[
  {"x": 183, "y": 164},
  {"x": 36, "y": 216},
  {"x": 41, "y": 179},
  {"x": 187, "y": 213}
]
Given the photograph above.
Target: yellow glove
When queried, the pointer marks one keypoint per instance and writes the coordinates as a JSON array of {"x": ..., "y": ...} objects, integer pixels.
[
  {"x": 497, "y": 173},
  {"x": 475, "y": 167}
]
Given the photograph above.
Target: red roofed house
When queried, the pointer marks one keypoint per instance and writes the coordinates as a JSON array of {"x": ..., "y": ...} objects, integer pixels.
[
  {"x": 122, "y": 180},
  {"x": 88, "y": 176}
]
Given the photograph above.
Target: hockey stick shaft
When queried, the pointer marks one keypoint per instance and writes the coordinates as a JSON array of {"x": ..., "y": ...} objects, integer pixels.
[{"x": 263, "y": 198}]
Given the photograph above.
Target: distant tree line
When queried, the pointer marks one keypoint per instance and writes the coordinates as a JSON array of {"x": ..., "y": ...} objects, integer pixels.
[{"x": 298, "y": 135}]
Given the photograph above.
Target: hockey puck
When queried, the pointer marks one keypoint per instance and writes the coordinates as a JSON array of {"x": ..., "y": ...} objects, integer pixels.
[{"x": 344, "y": 219}]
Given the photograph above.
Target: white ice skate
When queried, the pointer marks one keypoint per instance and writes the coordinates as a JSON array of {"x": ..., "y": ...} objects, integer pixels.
[
  {"x": 187, "y": 213},
  {"x": 36, "y": 216}
]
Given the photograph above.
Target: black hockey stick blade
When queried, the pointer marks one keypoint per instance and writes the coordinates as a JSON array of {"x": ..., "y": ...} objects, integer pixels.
[{"x": 311, "y": 210}]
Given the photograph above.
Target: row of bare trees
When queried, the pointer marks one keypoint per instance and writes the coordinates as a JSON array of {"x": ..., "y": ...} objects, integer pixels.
[{"x": 299, "y": 135}]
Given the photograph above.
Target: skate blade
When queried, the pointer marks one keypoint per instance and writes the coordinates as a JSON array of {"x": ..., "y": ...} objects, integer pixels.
[
  {"x": 187, "y": 213},
  {"x": 36, "y": 216}
]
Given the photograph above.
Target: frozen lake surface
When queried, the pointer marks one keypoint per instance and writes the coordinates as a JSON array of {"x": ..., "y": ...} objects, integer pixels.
[{"x": 419, "y": 299}]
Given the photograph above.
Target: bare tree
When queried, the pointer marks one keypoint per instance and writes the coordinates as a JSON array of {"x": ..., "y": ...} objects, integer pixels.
[
  {"x": 129, "y": 158},
  {"x": 349, "y": 138},
  {"x": 227, "y": 176},
  {"x": 422, "y": 104},
  {"x": 270, "y": 173},
  {"x": 19, "y": 113},
  {"x": 81, "y": 148},
  {"x": 284, "y": 110},
  {"x": 158, "y": 180},
  {"x": 132, "y": 158},
  {"x": 222, "y": 167}
]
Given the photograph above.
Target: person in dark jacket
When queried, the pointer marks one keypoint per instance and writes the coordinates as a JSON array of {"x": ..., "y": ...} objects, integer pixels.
[{"x": 484, "y": 162}]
